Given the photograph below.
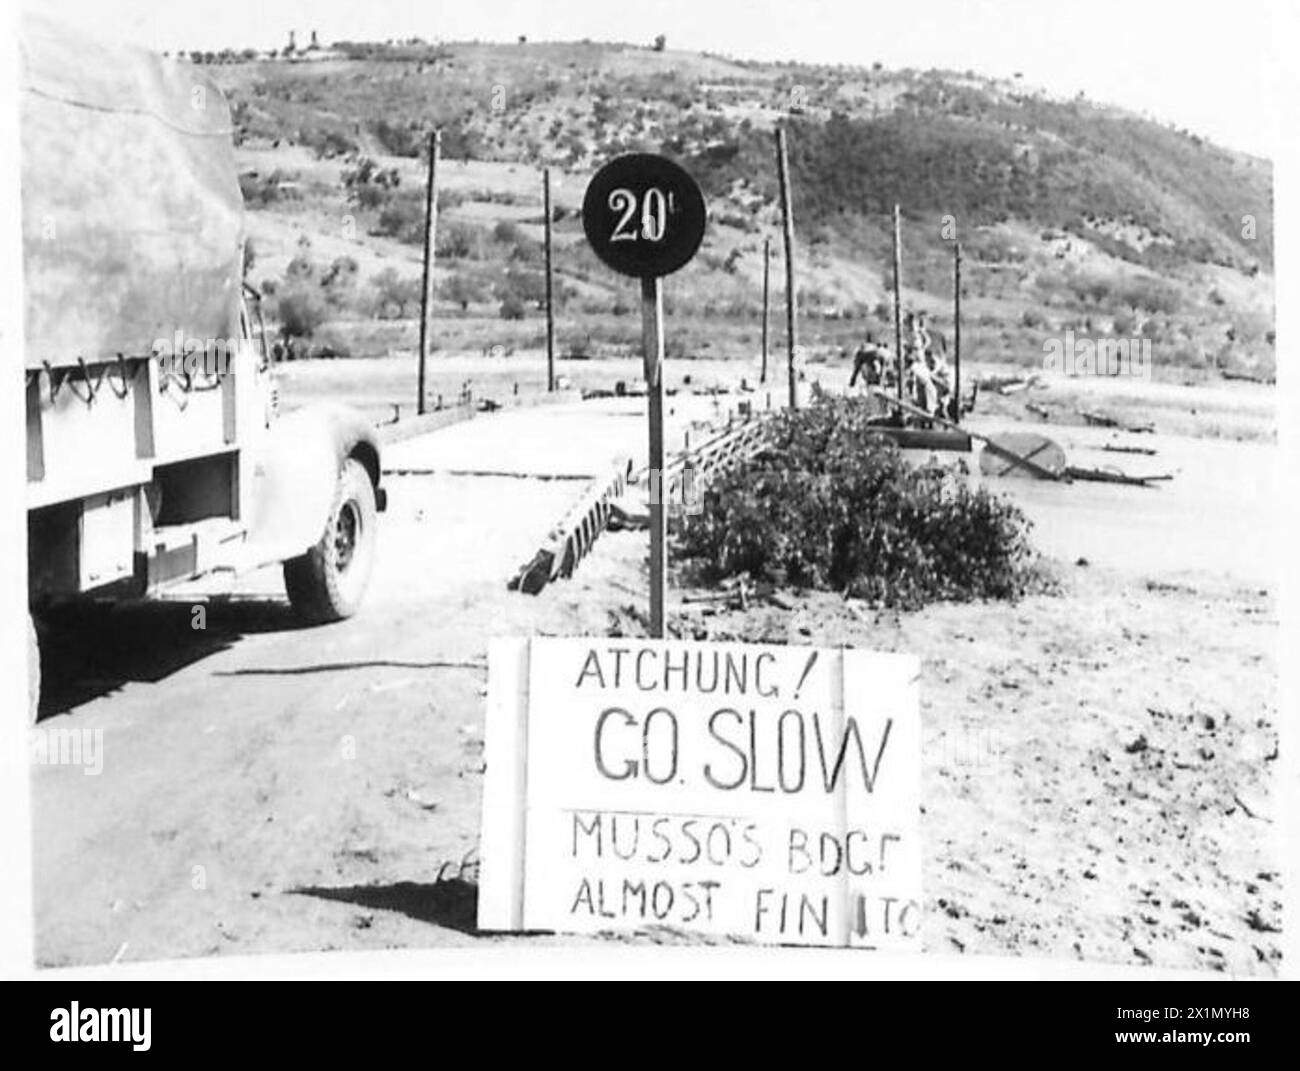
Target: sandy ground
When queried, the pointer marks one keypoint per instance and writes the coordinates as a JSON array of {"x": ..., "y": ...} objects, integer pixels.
[{"x": 1098, "y": 765}]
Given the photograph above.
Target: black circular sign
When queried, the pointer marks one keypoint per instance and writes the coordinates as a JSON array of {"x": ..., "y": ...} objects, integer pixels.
[{"x": 644, "y": 215}]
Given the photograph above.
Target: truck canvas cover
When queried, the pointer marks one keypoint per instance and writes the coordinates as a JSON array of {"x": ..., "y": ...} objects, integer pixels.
[{"x": 132, "y": 214}]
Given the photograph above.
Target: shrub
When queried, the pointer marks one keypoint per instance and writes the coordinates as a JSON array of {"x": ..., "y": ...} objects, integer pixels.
[
  {"x": 395, "y": 296},
  {"x": 464, "y": 288},
  {"x": 507, "y": 232},
  {"x": 328, "y": 143},
  {"x": 328, "y": 341},
  {"x": 301, "y": 308},
  {"x": 524, "y": 285},
  {"x": 340, "y": 282},
  {"x": 403, "y": 218},
  {"x": 830, "y": 503},
  {"x": 369, "y": 196},
  {"x": 457, "y": 241},
  {"x": 397, "y": 139}
]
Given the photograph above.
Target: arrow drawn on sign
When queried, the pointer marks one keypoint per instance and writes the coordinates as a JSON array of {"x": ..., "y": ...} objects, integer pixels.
[{"x": 812, "y": 660}]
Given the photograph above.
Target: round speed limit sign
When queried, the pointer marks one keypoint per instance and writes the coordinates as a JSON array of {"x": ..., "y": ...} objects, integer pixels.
[{"x": 643, "y": 215}]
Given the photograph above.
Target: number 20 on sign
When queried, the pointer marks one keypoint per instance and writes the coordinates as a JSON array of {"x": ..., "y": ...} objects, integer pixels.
[{"x": 643, "y": 215}]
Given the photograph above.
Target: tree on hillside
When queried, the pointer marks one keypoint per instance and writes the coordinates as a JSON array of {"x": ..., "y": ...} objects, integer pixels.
[{"x": 464, "y": 288}]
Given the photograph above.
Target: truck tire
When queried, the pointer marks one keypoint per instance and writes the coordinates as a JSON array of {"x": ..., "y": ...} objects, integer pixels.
[
  {"x": 327, "y": 583},
  {"x": 33, "y": 672}
]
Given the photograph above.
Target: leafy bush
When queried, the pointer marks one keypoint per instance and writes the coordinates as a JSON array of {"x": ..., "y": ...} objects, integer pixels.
[
  {"x": 339, "y": 282},
  {"x": 403, "y": 218},
  {"x": 524, "y": 286},
  {"x": 262, "y": 190},
  {"x": 328, "y": 143},
  {"x": 465, "y": 288},
  {"x": 830, "y": 503},
  {"x": 507, "y": 232},
  {"x": 301, "y": 307},
  {"x": 329, "y": 342},
  {"x": 399, "y": 139},
  {"x": 395, "y": 296},
  {"x": 457, "y": 241}
]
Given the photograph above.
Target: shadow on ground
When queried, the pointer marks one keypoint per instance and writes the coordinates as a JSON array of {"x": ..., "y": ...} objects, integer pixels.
[
  {"x": 90, "y": 650},
  {"x": 452, "y": 903}
]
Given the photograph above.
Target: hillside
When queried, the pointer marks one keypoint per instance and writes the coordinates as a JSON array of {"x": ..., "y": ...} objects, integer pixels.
[{"x": 1071, "y": 215}]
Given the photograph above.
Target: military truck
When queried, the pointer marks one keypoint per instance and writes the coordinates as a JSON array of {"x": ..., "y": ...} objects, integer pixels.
[{"x": 155, "y": 452}]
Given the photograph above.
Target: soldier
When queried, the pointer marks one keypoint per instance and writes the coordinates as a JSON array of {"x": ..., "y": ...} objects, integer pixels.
[
  {"x": 921, "y": 335},
  {"x": 917, "y": 384},
  {"x": 925, "y": 392},
  {"x": 935, "y": 348},
  {"x": 869, "y": 363},
  {"x": 941, "y": 376}
]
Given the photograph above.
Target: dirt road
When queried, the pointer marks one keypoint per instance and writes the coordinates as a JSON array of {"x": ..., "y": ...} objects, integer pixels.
[
  {"x": 1097, "y": 779},
  {"x": 257, "y": 779}
]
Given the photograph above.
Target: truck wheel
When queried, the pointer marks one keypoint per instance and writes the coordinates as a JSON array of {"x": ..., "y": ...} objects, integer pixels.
[
  {"x": 33, "y": 672},
  {"x": 327, "y": 583}
]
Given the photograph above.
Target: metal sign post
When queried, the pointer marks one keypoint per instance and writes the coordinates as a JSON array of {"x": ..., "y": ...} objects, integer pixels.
[
  {"x": 652, "y": 341},
  {"x": 644, "y": 216}
]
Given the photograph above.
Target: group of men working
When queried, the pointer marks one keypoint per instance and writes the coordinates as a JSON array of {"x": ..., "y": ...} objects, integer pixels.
[{"x": 927, "y": 377}]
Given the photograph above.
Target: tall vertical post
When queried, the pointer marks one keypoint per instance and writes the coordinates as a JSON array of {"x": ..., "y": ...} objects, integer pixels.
[
  {"x": 898, "y": 301},
  {"x": 956, "y": 328},
  {"x": 550, "y": 311},
  {"x": 430, "y": 233},
  {"x": 767, "y": 289},
  {"x": 791, "y": 342},
  {"x": 652, "y": 341}
]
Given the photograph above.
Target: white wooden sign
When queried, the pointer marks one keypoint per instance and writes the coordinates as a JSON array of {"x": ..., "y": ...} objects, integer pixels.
[{"x": 764, "y": 792}]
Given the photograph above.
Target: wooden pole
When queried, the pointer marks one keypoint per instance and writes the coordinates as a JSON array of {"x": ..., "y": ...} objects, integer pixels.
[
  {"x": 898, "y": 301},
  {"x": 652, "y": 339},
  {"x": 550, "y": 309},
  {"x": 430, "y": 233},
  {"x": 767, "y": 272},
  {"x": 956, "y": 327},
  {"x": 791, "y": 342}
]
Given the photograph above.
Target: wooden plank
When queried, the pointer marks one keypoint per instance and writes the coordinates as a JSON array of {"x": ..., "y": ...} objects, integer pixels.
[
  {"x": 505, "y": 742},
  {"x": 575, "y": 534},
  {"x": 1109, "y": 476},
  {"x": 927, "y": 438}
]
